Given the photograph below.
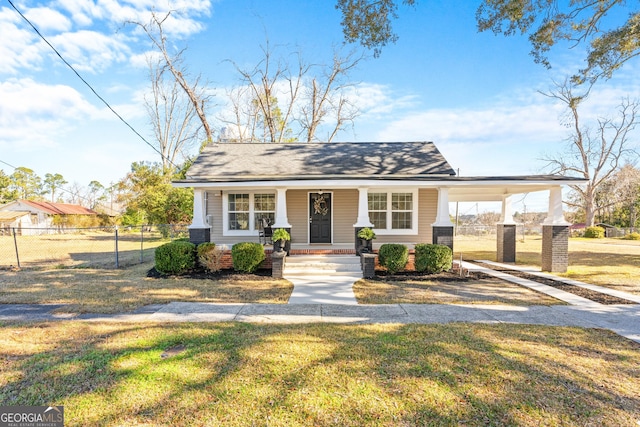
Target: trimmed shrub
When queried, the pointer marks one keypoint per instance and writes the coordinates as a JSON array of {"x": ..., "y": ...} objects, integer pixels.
[
  {"x": 210, "y": 257},
  {"x": 247, "y": 256},
  {"x": 175, "y": 257},
  {"x": 632, "y": 236},
  {"x": 594, "y": 232},
  {"x": 393, "y": 256},
  {"x": 433, "y": 258}
]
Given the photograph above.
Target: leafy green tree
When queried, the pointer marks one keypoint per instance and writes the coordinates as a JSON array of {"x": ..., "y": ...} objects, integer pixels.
[
  {"x": 611, "y": 40},
  {"x": 369, "y": 22},
  {"x": 96, "y": 193},
  {"x": 53, "y": 182},
  {"x": 609, "y": 28},
  {"x": 6, "y": 193},
  {"x": 26, "y": 183},
  {"x": 150, "y": 197}
]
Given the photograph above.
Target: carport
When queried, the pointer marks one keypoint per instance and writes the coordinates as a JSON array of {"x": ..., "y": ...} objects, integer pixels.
[{"x": 555, "y": 228}]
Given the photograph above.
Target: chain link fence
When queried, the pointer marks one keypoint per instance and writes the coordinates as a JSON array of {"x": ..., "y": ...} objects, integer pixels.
[
  {"x": 94, "y": 247},
  {"x": 486, "y": 231}
]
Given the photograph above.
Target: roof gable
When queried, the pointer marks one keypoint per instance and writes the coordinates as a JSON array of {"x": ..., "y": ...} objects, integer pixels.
[{"x": 251, "y": 161}]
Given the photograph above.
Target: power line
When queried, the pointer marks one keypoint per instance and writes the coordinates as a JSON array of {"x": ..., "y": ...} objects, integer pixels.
[
  {"x": 89, "y": 86},
  {"x": 11, "y": 166}
]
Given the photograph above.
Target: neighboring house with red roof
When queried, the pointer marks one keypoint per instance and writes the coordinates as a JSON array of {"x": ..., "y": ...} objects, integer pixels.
[{"x": 30, "y": 217}]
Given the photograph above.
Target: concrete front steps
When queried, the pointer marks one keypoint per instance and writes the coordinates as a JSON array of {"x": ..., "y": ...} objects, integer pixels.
[
  {"x": 322, "y": 265},
  {"x": 322, "y": 279}
]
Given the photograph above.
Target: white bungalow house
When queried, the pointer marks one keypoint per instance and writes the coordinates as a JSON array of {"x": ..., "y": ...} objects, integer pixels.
[{"x": 325, "y": 192}]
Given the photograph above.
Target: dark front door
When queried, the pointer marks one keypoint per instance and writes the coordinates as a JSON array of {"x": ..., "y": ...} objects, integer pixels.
[{"x": 319, "y": 218}]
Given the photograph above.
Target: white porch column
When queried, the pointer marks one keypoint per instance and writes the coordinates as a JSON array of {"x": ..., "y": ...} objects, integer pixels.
[
  {"x": 363, "y": 209},
  {"x": 282, "y": 221},
  {"x": 442, "y": 216},
  {"x": 555, "y": 216},
  {"x": 442, "y": 229},
  {"x": 507, "y": 212},
  {"x": 198, "y": 210}
]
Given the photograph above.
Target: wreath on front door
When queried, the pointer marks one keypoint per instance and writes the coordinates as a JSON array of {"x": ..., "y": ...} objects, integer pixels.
[{"x": 320, "y": 206}]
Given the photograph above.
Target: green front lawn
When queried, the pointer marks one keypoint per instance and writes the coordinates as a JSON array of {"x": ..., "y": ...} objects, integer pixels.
[{"x": 236, "y": 374}]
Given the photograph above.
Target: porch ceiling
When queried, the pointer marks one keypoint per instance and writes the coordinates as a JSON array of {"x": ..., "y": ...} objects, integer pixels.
[{"x": 461, "y": 189}]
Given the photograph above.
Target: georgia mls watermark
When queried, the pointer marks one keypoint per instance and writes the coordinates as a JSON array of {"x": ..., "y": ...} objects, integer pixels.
[{"x": 31, "y": 416}]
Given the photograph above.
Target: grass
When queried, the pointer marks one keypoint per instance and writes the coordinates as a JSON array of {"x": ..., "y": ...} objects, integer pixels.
[
  {"x": 112, "y": 291},
  {"x": 237, "y": 374},
  {"x": 613, "y": 263},
  {"x": 446, "y": 289},
  {"x": 89, "y": 248}
]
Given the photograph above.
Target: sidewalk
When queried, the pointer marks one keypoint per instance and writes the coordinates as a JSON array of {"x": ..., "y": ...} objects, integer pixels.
[
  {"x": 330, "y": 299},
  {"x": 621, "y": 319}
]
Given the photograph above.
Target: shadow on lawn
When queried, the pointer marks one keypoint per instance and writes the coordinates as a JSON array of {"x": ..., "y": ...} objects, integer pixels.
[{"x": 246, "y": 374}]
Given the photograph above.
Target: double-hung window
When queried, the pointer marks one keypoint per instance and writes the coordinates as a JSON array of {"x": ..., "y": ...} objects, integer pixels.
[
  {"x": 393, "y": 212},
  {"x": 243, "y": 210}
]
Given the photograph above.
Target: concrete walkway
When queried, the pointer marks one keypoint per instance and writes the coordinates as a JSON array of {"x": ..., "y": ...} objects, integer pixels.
[
  {"x": 621, "y": 319},
  {"x": 334, "y": 289},
  {"x": 329, "y": 299},
  {"x": 323, "y": 279}
]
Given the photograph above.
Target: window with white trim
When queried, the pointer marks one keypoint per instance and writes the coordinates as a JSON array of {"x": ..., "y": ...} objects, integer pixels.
[
  {"x": 238, "y": 209},
  {"x": 393, "y": 212},
  {"x": 264, "y": 206},
  {"x": 243, "y": 211}
]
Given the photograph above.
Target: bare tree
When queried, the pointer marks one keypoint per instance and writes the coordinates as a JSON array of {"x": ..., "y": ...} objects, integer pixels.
[
  {"x": 621, "y": 192},
  {"x": 173, "y": 116},
  {"x": 281, "y": 101},
  {"x": 325, "y": 98},
  {"x": 173, "y": 63},
  {"x": 594, "y": 154},
  {"x": 261, "y": 81}
]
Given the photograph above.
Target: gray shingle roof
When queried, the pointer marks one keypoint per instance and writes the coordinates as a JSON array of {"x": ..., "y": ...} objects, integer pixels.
[{"x": 388, "y": 160}]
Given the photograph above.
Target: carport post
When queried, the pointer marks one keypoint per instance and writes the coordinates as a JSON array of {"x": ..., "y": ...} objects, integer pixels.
[
  {"x": 555, "y": 236},
  {"x": 506, "y": 233}
]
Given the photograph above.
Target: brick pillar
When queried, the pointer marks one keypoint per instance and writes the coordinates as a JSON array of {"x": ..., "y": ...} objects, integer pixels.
[
  {"x": 362, "y": 246},
  {"x": 368, "y": 262},
  {"x": 199, "y": 235},
  {"x": 555, "y": 248},
  {"x": 277, "y": 264},
  {"x": 506, "y": 236},
  {"x": 442, "y": 235}
]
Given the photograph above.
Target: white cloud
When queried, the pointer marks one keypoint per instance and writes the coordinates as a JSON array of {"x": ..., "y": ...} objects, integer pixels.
[
  {"x": 82, "y": 12},
  {"x": 89, "y": 50},
  {"x": 377, "y": 101},
  {"x": 46, "y": 19},
  {"x": 20, "y": 47},
  {"x": 35, "y": 115}
]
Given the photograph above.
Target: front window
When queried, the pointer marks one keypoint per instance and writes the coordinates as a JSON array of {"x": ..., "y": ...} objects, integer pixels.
[
  {"x": 243, "y": 212},
  {"x": 238, "y": 211},
  {"x": 264, "y": 208},
  {"x": 393, "y": 212},
  {"x": 378, "y": 210},
  {"x": 401, "y": 211}
]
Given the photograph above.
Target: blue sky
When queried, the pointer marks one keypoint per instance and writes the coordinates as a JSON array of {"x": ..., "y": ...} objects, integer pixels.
[{"x": 474, "y": 94}]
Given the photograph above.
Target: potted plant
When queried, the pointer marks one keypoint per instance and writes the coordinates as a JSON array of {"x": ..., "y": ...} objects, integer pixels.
[
  {"x": 280, "y": 238},
  {"x": 365, "y": 236}
]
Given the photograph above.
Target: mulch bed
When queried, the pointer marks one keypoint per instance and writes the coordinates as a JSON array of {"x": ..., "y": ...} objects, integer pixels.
[
  {"x": 201, "y": 274},
  {"x": 576, "y": 290},
  {"x": 452, "y": 276}
]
